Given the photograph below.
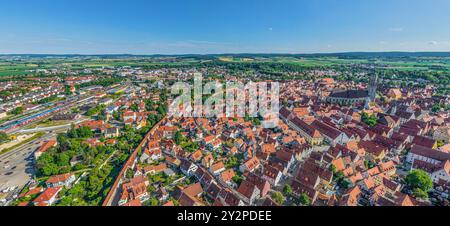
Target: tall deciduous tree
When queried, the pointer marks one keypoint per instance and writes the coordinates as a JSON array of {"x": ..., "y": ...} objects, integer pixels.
[{"x": 420, "y": 182}]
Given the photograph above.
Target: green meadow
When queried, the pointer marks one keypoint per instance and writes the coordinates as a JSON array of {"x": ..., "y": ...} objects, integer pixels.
[{"x": 13, "y": 67}]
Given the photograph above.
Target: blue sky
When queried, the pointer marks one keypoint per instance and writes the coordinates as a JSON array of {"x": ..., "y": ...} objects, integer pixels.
[{"x": 231, "y": 26}]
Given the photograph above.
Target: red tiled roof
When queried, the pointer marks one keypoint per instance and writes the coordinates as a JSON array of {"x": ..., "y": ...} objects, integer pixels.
[
  {"x": 193, "y": 190},
  {"x": 312, "y": 132},
  {"x": 47, "y": 145},
  {"x": 326, "y": 129},
  {"x": 157, "y": 168},
  {"x": 59, "y": 178},
  {"x": 217, "y": 166},
  {"x": 284, "y": 155},
  {"x": 23, "y": 204},
  {"x": 252, "y": 163},
  {"x": 169, "y": 203},
  {"x": 271, "y": 171},
  {"x": 430, "y": 153},
  {"x": 94, "y": 124},
  {"x": 246, "y": 188},
  {"x": 47, "y": 194},
  {"x": 134, "y": 202},
  {"x": 227, "y": 175},
  {"x": 32, "y": 192},
  {"x": 424, "y": 141},
  {"x": 372, "y": 147}
]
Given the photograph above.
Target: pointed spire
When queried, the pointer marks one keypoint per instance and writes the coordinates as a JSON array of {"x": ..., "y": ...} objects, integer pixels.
[{"x": 373, "y": 85}]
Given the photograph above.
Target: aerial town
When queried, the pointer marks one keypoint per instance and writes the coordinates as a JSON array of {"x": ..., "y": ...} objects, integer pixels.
[{"x": 95, "y": 131}]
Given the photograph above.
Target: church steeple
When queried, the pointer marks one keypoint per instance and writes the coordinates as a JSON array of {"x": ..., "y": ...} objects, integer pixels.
[{"x": 373, "y": 85}]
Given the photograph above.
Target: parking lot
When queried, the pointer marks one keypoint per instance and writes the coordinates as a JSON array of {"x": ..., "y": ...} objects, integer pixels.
[{"x": 17, "y": 166}]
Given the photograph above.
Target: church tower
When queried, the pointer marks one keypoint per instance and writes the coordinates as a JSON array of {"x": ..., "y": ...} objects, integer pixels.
[{"x": 373, "y": 86}]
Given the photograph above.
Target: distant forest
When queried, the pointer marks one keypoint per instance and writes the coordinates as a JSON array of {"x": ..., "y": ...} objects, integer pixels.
[{"x": 344, "y": 55}]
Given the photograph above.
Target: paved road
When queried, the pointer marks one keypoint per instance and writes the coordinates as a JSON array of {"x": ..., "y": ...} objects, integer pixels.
[
  {"x": 51, "y": 128},
  {"x": 45, "y": 129},
  {"x": 16, "y": 166}
]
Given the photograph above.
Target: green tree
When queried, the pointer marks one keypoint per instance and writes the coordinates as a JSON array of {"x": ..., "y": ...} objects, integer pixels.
[
  {"x": 48, "y": 99},
  {"x": 50, "y": 169},
  {"x": 344, "y": 183},
  {"x": 370, "y": 120},
  {"x": 67, "y": 90},
  {"x": 420, "y": 182},
  {"x": 237, "y": 179},
  {"x": 304, "y": 199},
  {"x": 130, "y": 174},
  {"x": 179, "y": 138},
  {"x": 116, "y": 115},
  {"x": 150, "y": 189},
  {"x": 190, "y": 146},
  {"x": 153, "y": 201},
  {"x": 287, "y": 190},
  {"x": 17, "y": 111},
  {"x": 134, "y": 107},
  {"x": 232, "y": 162},
  {"x": 3, "y": 137},
  {"x": 82, "y": 132},
  {"x": 63, "y": 159},
  {"x": 333, "y": 168},
  {"x": 440, "y": 143},
  {"x": 102, "y": 115},
  {"x": 91, "y": 112},
  {"x": 278, "y": 197},
  {"x": 419, "y": 193},
  {"x": 436, "y": 108},
  {"x": 256, "y": 121},
  {"x": 85, "y": 132},
  {"x": 162, "y": 109}
]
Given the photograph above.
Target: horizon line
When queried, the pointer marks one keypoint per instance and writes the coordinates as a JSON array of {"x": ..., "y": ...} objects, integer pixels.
[{"x": 213, "y": 54}]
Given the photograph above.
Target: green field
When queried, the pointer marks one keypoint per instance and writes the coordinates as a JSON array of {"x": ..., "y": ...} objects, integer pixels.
[
  {"x": 8, "y": 68},
  {"x": 311, "y": 62},
  {"x": 14, "y": 67}
]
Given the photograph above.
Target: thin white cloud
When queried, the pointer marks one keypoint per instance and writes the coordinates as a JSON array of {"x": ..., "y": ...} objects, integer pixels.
[
  {"x": 396, "y": 29},
  {"x": 433, "y": 43}
]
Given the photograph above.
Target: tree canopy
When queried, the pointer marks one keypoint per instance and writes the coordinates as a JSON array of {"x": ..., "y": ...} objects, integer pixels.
[
  {"x": 420, "y": 183},
  {"x": 370, "y": 120}
]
